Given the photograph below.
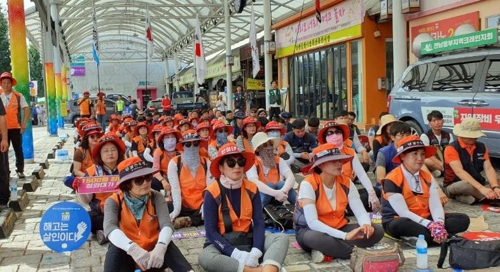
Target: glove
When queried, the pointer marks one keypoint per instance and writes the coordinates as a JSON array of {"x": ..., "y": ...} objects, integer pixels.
[
  {"x": 245, "y": 258},
  {"x": 280, "y": 195},
  {"x": 156, "y": 256},
  {"x": 256, "y": 253},
  {"x": 374, "y": 201},
  {"x": 140, "y": 256},
  {"x": 438, "y": 231},
  {"x": 76, "y": 183}
]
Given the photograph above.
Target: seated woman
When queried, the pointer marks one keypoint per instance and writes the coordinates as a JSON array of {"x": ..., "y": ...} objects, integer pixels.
[
  {"x": 114, "y": 126},
  {"x": 234, "y": 221},
  {"x": 188, "y": 176},
  {"x": 410, "y": 203},
  {"x": 319, "y": 218},
  {"x": 205, "y": 132},
  {"x": 383, "y": 137},
  {"x": 142, "y": 143},
  {"x": 108, "y": 153},
  {"x": 128, "y": 134},
  {"x": 82, "y": 159},
  {"x": 221, "y": 131},
  {"x": 166, "y": 150},
  {"x": 338, "y": 134},
  {"x": 284, "y": 150},
  {"x": 271, "y": 174},
  {"x": 137, "y": 224},
  {"x": 248, "y": 130}
]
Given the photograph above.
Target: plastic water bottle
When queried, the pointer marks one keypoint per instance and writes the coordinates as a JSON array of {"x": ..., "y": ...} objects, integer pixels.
[
  {"x": 13, "y": 188},
  {"x": 422, "y": 252}
]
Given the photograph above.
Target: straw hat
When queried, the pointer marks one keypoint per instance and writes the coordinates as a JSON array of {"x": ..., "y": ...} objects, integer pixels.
[
  {"x": 9, "y": 76},
  {"x": 108, "y": 138},
  {"x": 412, "y": 142},
  {"x": 328, "y": 152},
  {"x": 227, "y": 150},
  {"x": 332, "y": 124},
  {"x": 469, "y": 128},
  {"x": 386, "y": 120},
  {"x": 132, "y": 168},
  {"x": 261, "y": 138}
]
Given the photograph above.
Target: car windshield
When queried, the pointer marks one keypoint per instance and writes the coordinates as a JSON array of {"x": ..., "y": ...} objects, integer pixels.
[{"x": 182, "y": 95}]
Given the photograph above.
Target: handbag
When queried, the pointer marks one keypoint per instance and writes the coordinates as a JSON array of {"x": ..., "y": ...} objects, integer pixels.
[
  {"x": 279, "y": 216},
  {"x": 469, "y": 254},
  {"x": 382, "y": 260}
]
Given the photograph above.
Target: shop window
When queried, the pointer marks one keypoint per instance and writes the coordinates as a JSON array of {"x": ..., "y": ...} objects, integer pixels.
[
  {"x": 455, "y": 77},
  {"x": 357, "y": 80}
]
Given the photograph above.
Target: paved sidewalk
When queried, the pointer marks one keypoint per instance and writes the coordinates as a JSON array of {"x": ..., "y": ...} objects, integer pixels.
[{"x": 24, "y": 251}]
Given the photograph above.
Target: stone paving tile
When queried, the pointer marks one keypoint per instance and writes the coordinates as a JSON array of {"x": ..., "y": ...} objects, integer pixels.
[{"x": 24, "y": 250}]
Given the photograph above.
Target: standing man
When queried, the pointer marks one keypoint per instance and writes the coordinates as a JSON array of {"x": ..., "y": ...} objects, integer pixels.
[
  {"x": 166, "y": 105},
  {"x": 120, "y": 104},
  {"x": 239, "y": 102},
  {"x": 100, "y": 104},
  {"x": 13, "y": 102},
  {"x": 274, "y": 100},
  {"x": 41, "y": 115},
  {"x": 85, "y": 105},
  {"x": 4, "y": 149},
  {"x": 34, "y": 115}
]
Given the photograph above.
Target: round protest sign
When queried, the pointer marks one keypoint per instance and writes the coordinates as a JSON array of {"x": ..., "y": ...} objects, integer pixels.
[{"x": 65, "y": 227}]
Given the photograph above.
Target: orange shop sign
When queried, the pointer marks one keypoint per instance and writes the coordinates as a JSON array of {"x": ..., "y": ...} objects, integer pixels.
[{"x": 446, "y": 28}]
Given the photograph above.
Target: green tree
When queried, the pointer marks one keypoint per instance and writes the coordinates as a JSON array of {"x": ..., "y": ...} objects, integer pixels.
[
  {"x": 4, "y": 42},
  {"x": 36, "y": 68}
]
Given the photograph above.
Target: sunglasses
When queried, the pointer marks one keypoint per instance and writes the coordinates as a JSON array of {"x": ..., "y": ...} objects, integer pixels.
[
  {"x": 94, "y": 136},
  {"x": 231, "y": 162},
  {"x": 338, "y": 131},
  {"x": 140, "y": 180},
  {"x": 195, "y": 144},
  {"x": 221, "y": 130}
]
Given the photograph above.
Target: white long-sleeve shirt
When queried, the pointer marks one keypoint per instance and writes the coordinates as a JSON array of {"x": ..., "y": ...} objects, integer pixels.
[{"x": 284, "y": 171}]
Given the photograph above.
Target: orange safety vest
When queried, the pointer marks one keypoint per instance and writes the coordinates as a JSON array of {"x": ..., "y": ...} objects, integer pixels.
[
  {"x": 100, "y": 108},
  {"x": 12, "y": 110},
  {"x": 247, "y": 146},
  {"x": 281, "y": 147},
  {"x": 84, "y": 104},
  {"x": 164, "y": 160},
  {"x": 192, "y": 187},
  {"x": 114, "y": 129},
  {"x": 326, "y": 214},
  {"x": 273, "y": 175},
  {"x": 141, "y": 147},
  {"x": 244, "y": 222},
  {"x": 144, "y": 232},
  {"x": 347, "y": 170},
  {"x": 98, "y": 198},
  {"x": 87, "y": 159},
  {"x": 417, "y": 203}
]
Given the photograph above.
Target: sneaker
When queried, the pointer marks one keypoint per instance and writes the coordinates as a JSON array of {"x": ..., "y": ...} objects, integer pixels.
[
  {"x": 319, "y": 257},
  {"x": 21, "y": 175},
  {"x": 410, "y": 240},
  {"x": 182, "y": 222},
  {"x": 101, "y": 238},
  {"x": 466, "y": 199}
]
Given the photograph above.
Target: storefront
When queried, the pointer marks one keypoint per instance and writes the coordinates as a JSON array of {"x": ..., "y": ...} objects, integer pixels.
[
  {"x": 336, "y": 64},
  {"x": 454, "y": 18}
]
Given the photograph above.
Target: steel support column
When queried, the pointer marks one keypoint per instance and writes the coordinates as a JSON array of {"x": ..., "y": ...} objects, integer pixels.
[
  {"x": 268, "y": 58},
  {"x": 400, "y": 51},
  {"x": 229, "y": 70}
]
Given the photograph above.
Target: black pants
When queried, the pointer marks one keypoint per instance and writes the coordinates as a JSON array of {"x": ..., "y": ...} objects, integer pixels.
[
  {"x": 453, "y": 222},
  {"x": 118, "y": 260},
  {"x": 4, "y": 178},
  {"x": 310, "y": 239},
  {"x": 34, "y": 118},
  {"x": 16, "y": 140},
  {"x": 97, "y": 220},
  {"x": 274, "y": 112},
  {"x": 194, "y": 215}
]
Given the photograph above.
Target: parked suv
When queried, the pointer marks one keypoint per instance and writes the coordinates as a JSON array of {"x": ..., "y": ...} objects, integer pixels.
[
  {"x": 74, "y": 110},
  {"x": 462, "y": 84}
]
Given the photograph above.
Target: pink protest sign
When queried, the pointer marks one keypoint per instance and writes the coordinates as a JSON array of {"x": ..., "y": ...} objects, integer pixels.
[{"x": 92, "y": 185}]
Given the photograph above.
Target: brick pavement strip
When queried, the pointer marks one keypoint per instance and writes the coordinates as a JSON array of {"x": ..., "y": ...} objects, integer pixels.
[{"x": 24, "y": 250}]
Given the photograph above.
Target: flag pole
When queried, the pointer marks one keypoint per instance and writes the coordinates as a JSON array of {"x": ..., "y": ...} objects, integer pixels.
[
  {"x": 147, "y": 51},
  {"x": 97, "y": 62}
]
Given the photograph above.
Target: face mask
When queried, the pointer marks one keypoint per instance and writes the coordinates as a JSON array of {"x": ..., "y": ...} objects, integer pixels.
[
  {"x": 274, "y": 134},
  {"x": 169, "y": 143},
  {"x": 336, "y": 139},
  {"x": 191, "y": 156},
  {"x": 221, "y": 138},
  {"x": 194, "y": 124},
  {"x": 266, "y": 154}
]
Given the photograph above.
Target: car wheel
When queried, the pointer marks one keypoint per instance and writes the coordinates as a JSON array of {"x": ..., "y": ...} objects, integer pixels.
[{"x": 415, "y": 127}]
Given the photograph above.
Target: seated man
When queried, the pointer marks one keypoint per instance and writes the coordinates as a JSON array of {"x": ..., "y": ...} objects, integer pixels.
[
  {"x": 464, "y": 161},
  {"x": 302, "y": 144},
  {"x": 439, "y": 138},
  {"x": 343, "y": 117}
]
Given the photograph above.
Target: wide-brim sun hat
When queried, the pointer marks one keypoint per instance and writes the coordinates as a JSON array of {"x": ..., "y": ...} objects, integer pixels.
[
  {"x": 185, "y": 122},
  {"x": 190, "y": 135},
  {"x": 412, "y": 142},
  {"x": 273, "y": 125},
  {"x": 169, "y": 130},
  {"x": 108, "y": 138},
  {"x": 332, "y": 124},
  {"x": 250, "y": 120},
  {"x": 386, "y": 120},
  {"x": 132, "y": 168},
  {"x": 328, "y": 152},
  {"x": 9, "y": 76},
  {"x": 91, "y": 128},
  {"x": 469, "y": 128},
  {"x": 139, "y": 126},
  {"x": 228, "y": 150},
  {"x": 219, "y": 124},
  {"x": 261, "y": 138}
]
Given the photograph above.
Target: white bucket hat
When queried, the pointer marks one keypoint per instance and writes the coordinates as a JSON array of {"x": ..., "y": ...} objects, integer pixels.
[
  {"x": 261, "y": 138},
  {"x": 469, "y": 128}
]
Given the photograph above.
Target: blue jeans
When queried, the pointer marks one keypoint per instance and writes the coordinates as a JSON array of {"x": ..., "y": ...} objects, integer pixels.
[{"x": 266, "y": 199}]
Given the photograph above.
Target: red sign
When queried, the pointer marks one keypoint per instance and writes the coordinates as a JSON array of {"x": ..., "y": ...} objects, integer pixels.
[
  {"x": 489, "y": 118},
  {"x": 93, "y": 185},
  {"x": 446, "y": 28}
]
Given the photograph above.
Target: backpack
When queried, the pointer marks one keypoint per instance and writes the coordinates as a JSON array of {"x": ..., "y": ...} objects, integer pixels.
[
  {"x": 279, "y": 216},
  {"x": 469, "y": 254}
]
